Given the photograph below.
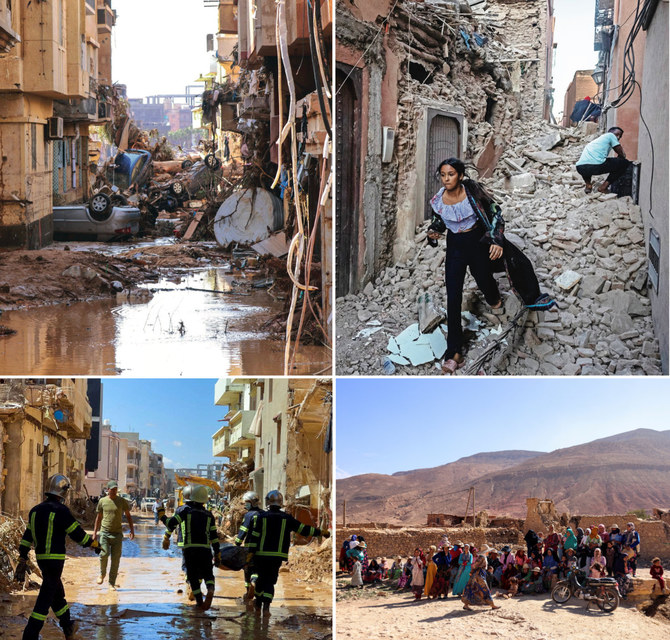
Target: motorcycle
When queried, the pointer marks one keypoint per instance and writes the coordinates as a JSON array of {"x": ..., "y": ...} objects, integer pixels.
[{"x": 603, "y": 591}]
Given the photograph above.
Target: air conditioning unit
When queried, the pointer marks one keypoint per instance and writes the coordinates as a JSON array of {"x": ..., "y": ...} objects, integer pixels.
[
  {"x": 387, "y": 144},
  {"x": 55, "y": 128}
]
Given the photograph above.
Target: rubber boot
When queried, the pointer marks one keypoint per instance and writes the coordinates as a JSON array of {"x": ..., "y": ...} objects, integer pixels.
[
  {"x": 198, "y": 600},
  {"x": 266, "y": 608},
  {"x": 71, "y": 631},
  {"x": 208, "y": 599}
]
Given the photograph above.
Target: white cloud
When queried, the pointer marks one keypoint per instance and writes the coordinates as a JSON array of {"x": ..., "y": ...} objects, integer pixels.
[
  {"x": 176, "y": 443},
  {"x": 340, "y": 473}
]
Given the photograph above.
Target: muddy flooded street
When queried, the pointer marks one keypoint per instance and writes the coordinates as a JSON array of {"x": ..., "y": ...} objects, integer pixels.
[
  {"x": 196, "y": 321},
  {"x": 150, "y": 602}
]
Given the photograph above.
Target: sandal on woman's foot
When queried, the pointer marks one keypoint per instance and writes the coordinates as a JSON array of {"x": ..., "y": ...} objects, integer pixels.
[
  {"x": 543, "y": 303},
  {"x": 450, "y": 366},
  {"x": 588, "y": 188}
]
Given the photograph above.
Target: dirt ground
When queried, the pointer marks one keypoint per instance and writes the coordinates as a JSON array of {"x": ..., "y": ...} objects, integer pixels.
[
  {"x": 377, "y": 613},
  {"x": 150, "y": 601}
]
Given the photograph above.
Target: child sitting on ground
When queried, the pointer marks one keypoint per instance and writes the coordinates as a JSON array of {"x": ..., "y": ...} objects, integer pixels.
[
  {"x": 656, "y": 572},
  {"x": 513, "y": 589}
]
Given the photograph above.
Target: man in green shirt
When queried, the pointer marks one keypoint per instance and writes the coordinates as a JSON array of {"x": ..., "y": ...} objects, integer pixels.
[{"x": 110, "y": 515}]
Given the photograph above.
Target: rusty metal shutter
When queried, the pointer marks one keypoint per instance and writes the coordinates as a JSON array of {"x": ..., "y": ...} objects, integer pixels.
[{"x": 442, "y": 144}]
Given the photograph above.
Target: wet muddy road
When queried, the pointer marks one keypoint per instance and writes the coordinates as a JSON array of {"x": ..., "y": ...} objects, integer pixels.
[
  {"x": 172, "y": 328},
  {"x": 150, "y": 603}
]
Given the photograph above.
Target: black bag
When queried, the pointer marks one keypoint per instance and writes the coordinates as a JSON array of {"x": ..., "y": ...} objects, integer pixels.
[{"x": 233, "y": 557}]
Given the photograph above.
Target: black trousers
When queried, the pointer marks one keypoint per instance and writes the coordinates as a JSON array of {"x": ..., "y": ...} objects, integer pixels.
[
  {"x": 51, "y": 596},
  {"x": 250, "y": 573},
  {"x": 616, "y": 167},
  {"x": 198, "y": 561},
  {"x": 465, "y": 250},
  {"x": 268, "y": 573}
]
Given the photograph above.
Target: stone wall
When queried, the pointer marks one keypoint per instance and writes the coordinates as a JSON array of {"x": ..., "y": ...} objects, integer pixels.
[{"x": 402, "y": 541}]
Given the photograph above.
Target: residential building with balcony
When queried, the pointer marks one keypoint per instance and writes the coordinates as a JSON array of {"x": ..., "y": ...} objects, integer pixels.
[
  {"x": 43, "y": 427},
  {"x": 48, "y": 100},
  {"x": 292, "y": 429}
]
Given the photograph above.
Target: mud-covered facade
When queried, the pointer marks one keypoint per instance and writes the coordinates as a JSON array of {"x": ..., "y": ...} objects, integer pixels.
[{"x": 418, "y": 82}]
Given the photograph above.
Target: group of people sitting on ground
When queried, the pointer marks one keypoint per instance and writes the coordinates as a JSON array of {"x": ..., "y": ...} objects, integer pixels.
[{"x": 472, "y": 573}]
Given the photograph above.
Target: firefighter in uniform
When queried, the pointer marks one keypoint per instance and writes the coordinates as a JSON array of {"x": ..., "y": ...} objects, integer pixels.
[
  {"x": 251, "y": 500},
  {"x": 198, "y": 534},
  {"x": 48, "y": 524},
  {"x": 271, "y": 531}
]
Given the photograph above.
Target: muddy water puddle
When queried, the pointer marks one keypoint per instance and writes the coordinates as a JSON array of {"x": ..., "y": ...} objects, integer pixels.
[
  {"x": 183, "y": 329},
  {"x": 150, "y": 602}
]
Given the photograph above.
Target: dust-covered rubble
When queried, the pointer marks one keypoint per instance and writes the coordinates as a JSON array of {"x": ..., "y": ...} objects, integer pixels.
[{"x": 588, "y": 252}]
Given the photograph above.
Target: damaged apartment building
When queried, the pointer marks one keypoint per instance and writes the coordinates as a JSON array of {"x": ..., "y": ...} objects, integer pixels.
[
  {"x": 282, "y": 429},
  {"x": 44, "y": 426},
  {"x": 267, "y": 103},
  {"x": 55, "y": 77},
  {"x": 418, "y": 82}
]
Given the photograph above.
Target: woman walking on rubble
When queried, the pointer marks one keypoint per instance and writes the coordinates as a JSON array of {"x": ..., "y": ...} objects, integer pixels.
[{"x": 474, "y": 226}]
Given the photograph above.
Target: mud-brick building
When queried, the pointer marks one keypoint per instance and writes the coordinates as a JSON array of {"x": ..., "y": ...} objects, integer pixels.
[
  {"x": 52, "y": 88},
  {"x": 418, "y": 82},
  {"x": 43, "y": 428},
  {"x": 283, "y": 425}
]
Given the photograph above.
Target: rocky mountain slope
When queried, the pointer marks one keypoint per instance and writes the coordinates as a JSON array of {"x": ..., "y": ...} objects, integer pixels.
[{"x": 611, "y": 475}]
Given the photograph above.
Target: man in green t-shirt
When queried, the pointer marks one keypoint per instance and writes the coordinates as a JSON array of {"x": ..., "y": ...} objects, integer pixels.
[{"x": 110, "y": 514}]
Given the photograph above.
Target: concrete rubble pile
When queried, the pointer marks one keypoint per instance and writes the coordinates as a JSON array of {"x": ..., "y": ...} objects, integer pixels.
[
  {"x": 312, "y": 562},
  {"x": 588, "y": 252}
]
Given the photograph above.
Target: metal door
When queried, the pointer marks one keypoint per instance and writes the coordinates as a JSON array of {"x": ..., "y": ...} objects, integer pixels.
[
  {"x": 348, "y": 152},
  {"x": 442, "y": 143}
]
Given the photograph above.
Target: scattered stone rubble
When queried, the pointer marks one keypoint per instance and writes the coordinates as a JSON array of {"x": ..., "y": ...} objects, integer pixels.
[{"x": 588, "y": 252}]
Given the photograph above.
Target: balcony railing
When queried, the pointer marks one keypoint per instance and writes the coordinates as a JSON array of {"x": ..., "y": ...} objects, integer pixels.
[{"x": 106, "y": 19}]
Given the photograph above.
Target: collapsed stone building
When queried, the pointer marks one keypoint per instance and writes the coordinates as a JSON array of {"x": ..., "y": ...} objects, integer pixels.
[{"x": 418, "y": 82}]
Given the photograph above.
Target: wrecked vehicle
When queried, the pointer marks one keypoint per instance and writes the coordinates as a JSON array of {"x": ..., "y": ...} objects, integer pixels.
[
  {"x": 99, "y": 220},
  {"x": 132, "y": 167}
]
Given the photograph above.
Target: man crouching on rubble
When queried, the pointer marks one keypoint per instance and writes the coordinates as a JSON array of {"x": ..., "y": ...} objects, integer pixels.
[
  {"x": 271, "y": 530},
  {"x": 594, "y": 160},
  {"x": 48, "y": 523}
]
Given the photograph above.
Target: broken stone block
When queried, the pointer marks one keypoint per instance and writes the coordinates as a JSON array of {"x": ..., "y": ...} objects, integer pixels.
[
  {"x": 548, "y": 141},
  {"x": 80, "y": 271},
  {"x": 368, "y": 290},
  {"x": 543, "y": 157},
  {"x": 568, "y": 279},
  {"x": 523, "y": 182},
  {"x": 591, "y": 286}
]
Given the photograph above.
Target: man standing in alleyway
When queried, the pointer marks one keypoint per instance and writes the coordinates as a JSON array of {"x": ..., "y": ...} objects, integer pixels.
[
  {"x": 48, "y": 523},
  {"x": 251, "y": 503},
  {"x": 109, "y": 522},
  {"x": 271, "y": 531},
  {"x": 594, "y": 160},
  {"x": 198, "y": 533}
]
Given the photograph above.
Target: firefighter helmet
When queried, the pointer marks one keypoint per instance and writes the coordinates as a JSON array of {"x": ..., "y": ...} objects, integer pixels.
[
  {"x": 252, "y": 498},
  {"x": 58, "y": 485},
  {"x": 199, "y": 494},
  {"x": 186, "y": 492},
  {"x": 274, "y": 499}
]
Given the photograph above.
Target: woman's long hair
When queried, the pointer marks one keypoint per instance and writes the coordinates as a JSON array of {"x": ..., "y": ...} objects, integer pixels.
[{"x": 476, "y": 189}]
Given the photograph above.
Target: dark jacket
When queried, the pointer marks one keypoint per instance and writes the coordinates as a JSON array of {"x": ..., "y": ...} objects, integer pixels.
[
  {"x": 48, "y": 524},
  {"x": 245, "y": 529},
  {"x": 197, "y": 526},
  {"x": 272, "y": 529}
]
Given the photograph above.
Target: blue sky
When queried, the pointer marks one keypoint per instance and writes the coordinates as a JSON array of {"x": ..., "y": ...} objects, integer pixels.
[
  {"x": 178, "y": 415},
  {"x": 389, "y": 425}
]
